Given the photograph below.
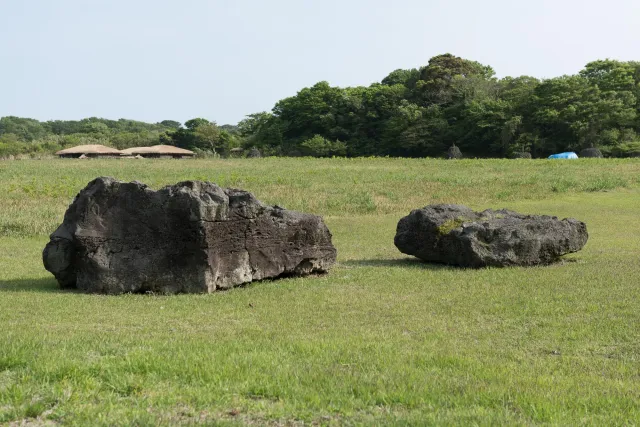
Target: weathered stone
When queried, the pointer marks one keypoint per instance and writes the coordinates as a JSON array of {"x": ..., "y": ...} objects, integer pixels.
[
  {"x": 456, "y": 235},
  {"x": 454, "y": 153},
  {"x": 521, "y": 155},
  {"x": 192, "y": 237},
  {"x": 591, "y": 152},
  {"x": 254, "y": 153}
]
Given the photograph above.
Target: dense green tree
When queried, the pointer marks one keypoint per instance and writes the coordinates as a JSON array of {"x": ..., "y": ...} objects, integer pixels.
[
  {"x": 574, "y": 113},
  {"x": 411, "y": 112},
  {"x": 25, "y": 129},
  {"x": 445, "y": 72},
  {"x": 416, "y": 132},
  {"x": 317, "y": 146},
  {"x": 193, "y": 124},
  {"x": 406, "y": 78},
  {"x": 200, "y": 134},
  {"x": 420, "y": 112},
  {"x": 207, "y": 137},
  {"x": 171, "y": 124},
  {"x": 313, "y": 111},
  {"x": 124, "y": 140},
  {"x": 95, "y": 128},
  {"x": 611, "y": 75},
  {"x": 262, "y": 130}
]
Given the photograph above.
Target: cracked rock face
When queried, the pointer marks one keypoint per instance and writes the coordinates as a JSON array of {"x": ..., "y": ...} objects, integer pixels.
[
  {"x": 456, "y": 235},
  {"x": 192, "y": 237}
]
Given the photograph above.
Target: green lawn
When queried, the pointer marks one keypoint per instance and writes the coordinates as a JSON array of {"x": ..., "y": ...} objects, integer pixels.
[{"x": 382, "y": 339}]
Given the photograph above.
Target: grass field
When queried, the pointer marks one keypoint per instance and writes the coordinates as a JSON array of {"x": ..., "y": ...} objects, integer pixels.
[{"x": 382, "y": 339}]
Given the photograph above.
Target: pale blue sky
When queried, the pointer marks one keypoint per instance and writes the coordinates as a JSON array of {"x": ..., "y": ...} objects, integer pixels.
[{"x": 152, "y": 60}]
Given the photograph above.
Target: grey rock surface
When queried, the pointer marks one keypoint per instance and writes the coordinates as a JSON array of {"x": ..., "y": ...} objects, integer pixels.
[
  {"x": 254, "y": 153},
  {"x": 456, "y": 235},
  {"x": 521, "y": 155},
  {"x": 454, "y": 153},
  {"x": 591, "y": 152},
  {"x": 192, "y": 237}
]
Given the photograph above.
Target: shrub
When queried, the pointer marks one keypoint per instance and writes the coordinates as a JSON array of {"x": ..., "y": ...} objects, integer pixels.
[
  {"x": 629, "y": 149},
  {"x": 319, "y": 146}
]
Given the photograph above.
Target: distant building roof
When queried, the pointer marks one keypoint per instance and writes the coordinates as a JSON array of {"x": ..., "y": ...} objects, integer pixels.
[
  {"x": 158, "y": 149},
  {"x": 132, "y": 150},
  {"x": 89, "y": 149}
]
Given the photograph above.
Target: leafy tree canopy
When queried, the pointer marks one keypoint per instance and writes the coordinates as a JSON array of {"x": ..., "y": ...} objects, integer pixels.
[{"x": 411, "y": 112}]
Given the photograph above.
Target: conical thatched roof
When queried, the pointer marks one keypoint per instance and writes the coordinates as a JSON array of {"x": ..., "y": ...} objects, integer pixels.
[
  {"x": 89, "y": 149},
  {"x": 170, "y": 149},
  {"x": 158, "y": 149}
]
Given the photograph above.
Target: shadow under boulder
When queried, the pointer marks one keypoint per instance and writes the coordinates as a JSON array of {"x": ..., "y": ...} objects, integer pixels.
[
  {"x": 192, "y": 237},
  {"x": 456, "y": 235}
]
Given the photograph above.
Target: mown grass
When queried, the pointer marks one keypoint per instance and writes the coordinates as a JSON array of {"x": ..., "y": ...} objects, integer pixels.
[{"x": 382, "y": 339}]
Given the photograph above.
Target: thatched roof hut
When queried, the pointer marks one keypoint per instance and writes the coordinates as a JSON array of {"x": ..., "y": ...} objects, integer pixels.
[
  {"x": 159, "y": 151},
  {"x": 91, "y": 150},
  {"x": 132, "y": 151}
]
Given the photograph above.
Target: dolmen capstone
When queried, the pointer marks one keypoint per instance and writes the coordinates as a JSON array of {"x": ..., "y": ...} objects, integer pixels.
[
  {"x": 192, "y": 237},
  {"x": 456, "y": 235}
]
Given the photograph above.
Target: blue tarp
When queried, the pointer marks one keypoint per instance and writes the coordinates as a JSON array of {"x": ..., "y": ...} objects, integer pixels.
[{"x": 567, "y": 155}]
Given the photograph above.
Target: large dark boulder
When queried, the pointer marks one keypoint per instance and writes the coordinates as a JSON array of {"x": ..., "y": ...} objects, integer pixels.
[
  {"x": 456, "y": 235},
  {"x": 192, "y": 237}
]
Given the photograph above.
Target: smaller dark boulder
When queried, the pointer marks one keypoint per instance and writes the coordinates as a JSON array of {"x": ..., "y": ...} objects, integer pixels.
[
  {"x": 254, "y": 153},
  {"x": 456, "y": 235},
  {"x": 454, "y": 153},
  {"x": 521, "y": 155},
  {"x": 591, "y": 152}
]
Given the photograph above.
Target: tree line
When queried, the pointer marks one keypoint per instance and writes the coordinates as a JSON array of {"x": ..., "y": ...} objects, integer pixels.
[
  {"x": 420, "y": 112},
  {"x": 410, "y": 113},
  {"x": 28, "y": 136}
]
